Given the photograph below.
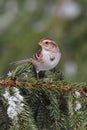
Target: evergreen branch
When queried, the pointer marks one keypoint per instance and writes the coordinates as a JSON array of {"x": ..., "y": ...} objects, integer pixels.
[
  {"x": 53, "y": 102},
  {"x": 12, "y": 81}
]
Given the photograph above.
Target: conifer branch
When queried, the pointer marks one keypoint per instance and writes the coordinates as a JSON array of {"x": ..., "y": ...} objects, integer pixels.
[
  {"x": 51, "y": 102},
  {"x": 13, "y": 81}
]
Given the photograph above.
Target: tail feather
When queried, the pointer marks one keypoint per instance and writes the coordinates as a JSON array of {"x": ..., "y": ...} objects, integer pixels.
[{"x": 20, "y": 62}]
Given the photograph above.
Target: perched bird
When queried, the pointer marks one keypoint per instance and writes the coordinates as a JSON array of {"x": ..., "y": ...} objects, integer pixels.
[{"x": 46, "y": 58}]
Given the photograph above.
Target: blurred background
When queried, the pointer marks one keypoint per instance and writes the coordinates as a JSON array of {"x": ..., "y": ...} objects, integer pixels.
[{"x": 24, "y": 22}]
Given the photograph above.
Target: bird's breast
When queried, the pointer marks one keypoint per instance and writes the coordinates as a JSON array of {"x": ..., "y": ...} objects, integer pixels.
[{"x": 50, "y": 60}]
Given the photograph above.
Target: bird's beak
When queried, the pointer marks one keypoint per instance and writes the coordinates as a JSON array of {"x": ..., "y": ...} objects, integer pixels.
[{"x": 40, "y": 43}]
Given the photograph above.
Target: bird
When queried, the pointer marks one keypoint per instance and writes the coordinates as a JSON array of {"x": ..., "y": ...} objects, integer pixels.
[{"x": 46, "y": 58}]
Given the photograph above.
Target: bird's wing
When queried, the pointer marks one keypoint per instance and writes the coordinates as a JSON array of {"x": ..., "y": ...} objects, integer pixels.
[
  {"x": 38, "y": 55},
  {"x": 35, "y": 58}
]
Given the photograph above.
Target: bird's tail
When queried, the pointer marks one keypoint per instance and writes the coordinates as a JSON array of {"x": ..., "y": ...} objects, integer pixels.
[{"x": 20, "y": 62}]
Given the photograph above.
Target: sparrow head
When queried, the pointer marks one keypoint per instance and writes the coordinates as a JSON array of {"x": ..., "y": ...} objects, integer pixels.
[{"x": 47, "y": 44}]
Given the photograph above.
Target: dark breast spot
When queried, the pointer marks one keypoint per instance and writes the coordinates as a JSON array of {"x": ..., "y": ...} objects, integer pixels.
[{"x": 52, "y": 59}]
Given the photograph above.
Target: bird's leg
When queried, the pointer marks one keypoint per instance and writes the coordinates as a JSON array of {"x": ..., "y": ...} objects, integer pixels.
[{"x": 37, "y": 72}]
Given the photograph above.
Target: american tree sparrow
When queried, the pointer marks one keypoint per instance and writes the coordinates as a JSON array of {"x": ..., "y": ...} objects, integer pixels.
[{"x": 46, "y": 58}]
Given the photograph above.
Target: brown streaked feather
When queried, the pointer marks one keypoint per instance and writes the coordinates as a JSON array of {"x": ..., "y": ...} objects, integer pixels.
[{"x": 37, "y": 55}]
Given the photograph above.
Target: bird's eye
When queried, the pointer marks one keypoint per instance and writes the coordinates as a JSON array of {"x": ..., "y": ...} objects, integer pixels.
[{"x": 46, "y": 42}]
